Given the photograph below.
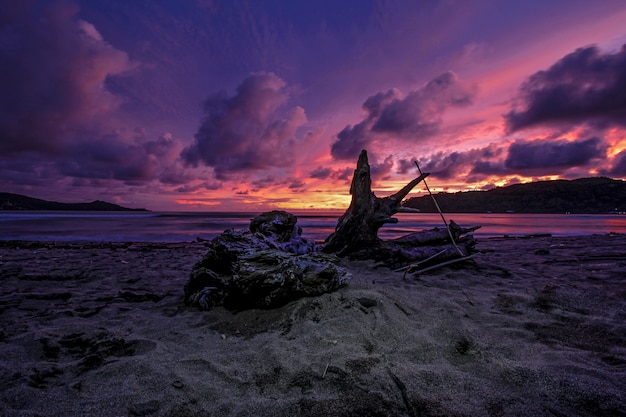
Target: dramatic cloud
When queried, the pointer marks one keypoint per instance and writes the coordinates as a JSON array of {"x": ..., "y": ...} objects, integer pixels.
[
  {"x": 583, "y": 86},
  {"x": 56, "y": 111},
  {"x": 552, "y": 156},
  {"x": 321, "y": 173},
  {"x": 114, "y": 156},
  {"x": 203, "y": 186},
  {"x": 525, "y": 158},
  {"x": 53, "y": 77},
  {"x": 264, "y": 182},
  {"x": 295, "y": 183},
  {"x": 247, "y": 131},
  {"x": 381, "y": 171},
  {"x": 618, "y": 170},
  {"x": 448, "y": 165},
  {"x": 412, "y": 117},
  {"x": 404, "y": 166}
]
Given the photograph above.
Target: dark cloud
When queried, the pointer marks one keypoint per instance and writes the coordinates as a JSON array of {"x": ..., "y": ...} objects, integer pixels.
[
  {"x": 584, "y": 86},
  {"x": 295, "y": 184},
  {"x": 58, "y": 117},
  {"x": 544, "y": 157},
  {"x": 344, "y": 174},
  {"x": 618, "y": 169},
  {"x": 483, "y": 168},
  {"x": 381, "y": 171},
  {"x": 113, "y": 157},
  {"x": 53, "y": 77},
  {"x": 416, "y": 116},
  {"x": 204, "y": 186},
  {"x": 341, "y": 174},
  {"x": 526, "y": 158},
  {"x": 321, "y": 173},
  {"x": 419, "y": 113},
  {"x": 247, "y": 131},
  {"x": 264, "y": 182},
  {"x": 351, "y": 141},
  {"x": 404, "y": 166},
  {"x": 448, "y": 165}
]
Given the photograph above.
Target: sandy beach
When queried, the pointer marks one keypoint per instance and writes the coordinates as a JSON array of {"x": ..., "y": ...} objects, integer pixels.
[{"x": 534, "y": 327}]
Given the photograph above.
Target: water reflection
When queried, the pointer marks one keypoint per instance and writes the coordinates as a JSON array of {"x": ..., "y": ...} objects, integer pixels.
[{"x": 317, "y": 225}]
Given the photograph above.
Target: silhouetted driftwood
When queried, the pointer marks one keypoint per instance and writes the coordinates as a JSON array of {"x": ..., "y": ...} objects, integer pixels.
[
  {"x": 356, "y": 233},
  {"x": 358, "y": 227}
]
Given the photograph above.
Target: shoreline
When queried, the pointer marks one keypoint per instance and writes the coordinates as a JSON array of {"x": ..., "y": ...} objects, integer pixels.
[
  {"x": 123, "y": 244},
  {"x": 187, "y": 227},
  {"x": 535, "y": 326}
]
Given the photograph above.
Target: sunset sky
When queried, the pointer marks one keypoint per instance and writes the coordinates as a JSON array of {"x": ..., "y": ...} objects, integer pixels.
[{"x": 252, "y": 105}]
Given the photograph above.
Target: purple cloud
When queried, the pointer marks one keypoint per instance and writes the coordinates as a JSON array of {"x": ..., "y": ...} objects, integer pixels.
[
  {"x": 404, "y": 166},
  {"x": 618, "y": 169},
  {"x": 57, "y": 114},
  {"x": 130, "y": 160},
  {"x": 344, "y": 174},
  {"x": 448, "y": 165},
  {"x": 191, "y": 188},
  {"x": 416, "y": 116},
  {"x": 264, "y": 182},
  {"x": 295, "y": 183},
  {"x": 584, "y": 86},
  {"x": 534, "y": 158},
  {"x": 543, "y": 157},
  {"x": 248, "y": 131},
  {"x": 321, "y": 173},
  {"x": 381, "y": 171},
  {"x": 53, "y": 81}
]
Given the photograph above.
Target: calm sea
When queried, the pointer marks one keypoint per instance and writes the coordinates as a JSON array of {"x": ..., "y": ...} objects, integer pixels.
[{"x": 184, "y": 227}]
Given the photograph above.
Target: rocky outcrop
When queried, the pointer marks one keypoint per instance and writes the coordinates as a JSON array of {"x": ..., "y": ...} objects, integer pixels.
[{"x": 264, "y": 267}]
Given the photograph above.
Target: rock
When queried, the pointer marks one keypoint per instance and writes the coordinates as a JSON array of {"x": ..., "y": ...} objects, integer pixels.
[
  {"x": 280, "y": 227},
  {"x": 367, "y": 302},
  {"x": 264, "y": 267},
  {"x": 278, "y": 224},
  {"x": 144, "y": 409}
]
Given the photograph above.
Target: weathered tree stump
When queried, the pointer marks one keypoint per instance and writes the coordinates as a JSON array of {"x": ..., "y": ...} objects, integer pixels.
[
  {"x": 358, "y": 227},
  {"x": 356, "y": 233}
]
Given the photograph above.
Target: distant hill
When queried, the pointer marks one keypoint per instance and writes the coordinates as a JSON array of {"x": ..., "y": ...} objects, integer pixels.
[
  {"x": 585, "y": 195},
  {"x": 10, "y": 201}
]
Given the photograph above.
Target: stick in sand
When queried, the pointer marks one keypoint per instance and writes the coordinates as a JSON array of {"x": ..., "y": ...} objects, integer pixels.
[
  {"x": 439, "y": 210},
  {"x": 325, "y": 370},
  {"x": 452, "y": 261}
]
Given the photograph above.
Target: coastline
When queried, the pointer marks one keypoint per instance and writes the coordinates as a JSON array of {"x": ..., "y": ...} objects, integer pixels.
[{"x": 536, "y": 326}]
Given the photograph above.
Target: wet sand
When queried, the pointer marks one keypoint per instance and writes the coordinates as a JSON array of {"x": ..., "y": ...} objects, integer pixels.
[{"x": 533, "y": 327}]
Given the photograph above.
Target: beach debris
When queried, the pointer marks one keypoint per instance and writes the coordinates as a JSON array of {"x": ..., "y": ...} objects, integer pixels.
[
  {"x": 358, "y": 227},
  {"x": 356, "y": 233},
  {"x": 325, "y": 370},
  {"x": 263, "y": 267}
]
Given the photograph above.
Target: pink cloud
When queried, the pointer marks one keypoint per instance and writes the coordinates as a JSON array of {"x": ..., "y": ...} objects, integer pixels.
[{"x": 413, "y": 117}]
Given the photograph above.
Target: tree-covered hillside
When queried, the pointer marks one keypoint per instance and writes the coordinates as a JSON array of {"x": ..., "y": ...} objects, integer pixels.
[
  {"x": 585, "y": 195},
  {"x": 10, "y": 201}
]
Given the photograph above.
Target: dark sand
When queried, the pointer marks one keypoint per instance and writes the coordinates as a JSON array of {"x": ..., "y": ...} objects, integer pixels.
[{"x": 536, "y": 327}]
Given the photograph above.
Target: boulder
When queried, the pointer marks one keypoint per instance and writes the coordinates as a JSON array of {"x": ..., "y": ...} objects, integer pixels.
[{"x": 264, "y": 267}]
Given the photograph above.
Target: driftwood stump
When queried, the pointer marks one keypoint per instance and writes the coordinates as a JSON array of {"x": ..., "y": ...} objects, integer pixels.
[
  {"x": 356, "y": 233},
  {"x": 358, "y": 227}
]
